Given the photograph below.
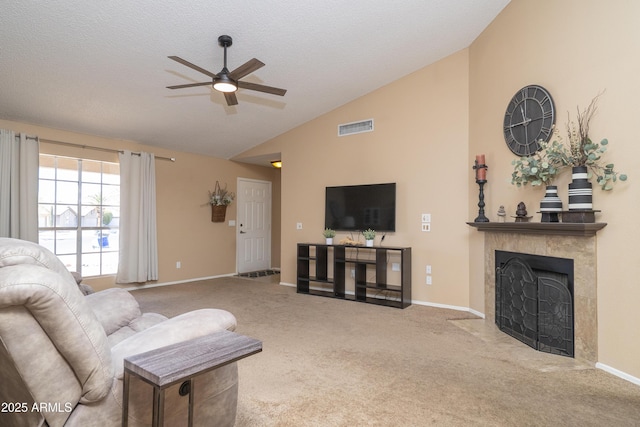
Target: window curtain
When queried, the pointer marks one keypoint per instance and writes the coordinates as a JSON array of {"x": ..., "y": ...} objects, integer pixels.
[
  {"x": 19, "y": 165},
  {"x": 138, "y": 261}
]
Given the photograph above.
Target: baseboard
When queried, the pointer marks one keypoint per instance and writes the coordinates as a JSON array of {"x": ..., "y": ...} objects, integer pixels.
[
  {"x": 449, "y": 307},
  {"x": 178, "y": 282},
  {"x": 618, "y": 373},
  {"x": 417, "y": 302},
  {"x": 477, "y": 313},
  {"x": 288, "y": 284}
]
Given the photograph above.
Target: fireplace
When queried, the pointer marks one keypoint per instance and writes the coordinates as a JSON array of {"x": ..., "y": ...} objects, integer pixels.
[
  {"x": 534, "y": 297},
  {"x": 575, "y": 242}
]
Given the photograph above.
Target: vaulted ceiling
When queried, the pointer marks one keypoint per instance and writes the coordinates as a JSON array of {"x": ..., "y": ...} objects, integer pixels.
[{"x": 101, "y": 67}]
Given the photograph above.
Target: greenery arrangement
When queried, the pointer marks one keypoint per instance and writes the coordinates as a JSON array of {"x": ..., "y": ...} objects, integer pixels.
[
  {"x": 539, "y": 168},
  {"x": 542, "y": 166},
  {"x": 329, "y": 233},
  {"x": 220, "y": 196},
  {"x": 369, "y": 234}
]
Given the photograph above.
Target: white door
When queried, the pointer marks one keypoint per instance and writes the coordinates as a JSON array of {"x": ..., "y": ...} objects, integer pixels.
[{"x": 253, "y": 225}]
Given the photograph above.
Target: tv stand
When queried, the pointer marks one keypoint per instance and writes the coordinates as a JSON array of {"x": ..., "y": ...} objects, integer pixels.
[{"x": 370, "y": 270}]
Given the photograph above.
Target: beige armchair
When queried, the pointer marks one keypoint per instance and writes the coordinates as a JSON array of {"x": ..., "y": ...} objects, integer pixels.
[{"x": 61, "y": 353}]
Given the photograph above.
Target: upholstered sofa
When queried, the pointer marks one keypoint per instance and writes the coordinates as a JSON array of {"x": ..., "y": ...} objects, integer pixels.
[{"x": 61, "y": 352}]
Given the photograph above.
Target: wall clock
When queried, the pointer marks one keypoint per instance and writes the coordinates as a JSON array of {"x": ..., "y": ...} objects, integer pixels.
[{"x": 529, "y": 118}]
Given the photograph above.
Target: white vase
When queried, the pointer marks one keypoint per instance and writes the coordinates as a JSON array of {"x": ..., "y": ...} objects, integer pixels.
[
  {"x": 369, "y": 243},
  {"x": 329, "y": 240}
]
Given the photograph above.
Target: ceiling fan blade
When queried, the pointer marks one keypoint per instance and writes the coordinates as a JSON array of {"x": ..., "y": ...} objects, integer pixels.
[
  {"x": 231, "y": 98},
  {"x": 193, "y": 66},
  {"x": 262, "y": 88},
  {"x": 247, "y": 68},
  {"x": 189, "y": 85}
]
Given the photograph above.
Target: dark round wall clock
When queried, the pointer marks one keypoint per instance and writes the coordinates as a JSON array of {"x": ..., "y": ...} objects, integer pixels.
[{"x": 529, "y": 118}]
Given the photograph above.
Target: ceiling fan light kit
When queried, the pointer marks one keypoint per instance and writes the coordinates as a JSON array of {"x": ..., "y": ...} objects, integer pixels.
[
  {"x": 229, "y": 82},
  {"x": 225, "y": 84}
]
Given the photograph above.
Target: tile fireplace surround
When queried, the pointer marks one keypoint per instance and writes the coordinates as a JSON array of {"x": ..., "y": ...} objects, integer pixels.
[{"x": 572, "y": 241}]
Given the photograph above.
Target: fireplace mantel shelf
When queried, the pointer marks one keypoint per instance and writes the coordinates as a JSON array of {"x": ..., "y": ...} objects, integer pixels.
[{"x": 548, "y": 228}]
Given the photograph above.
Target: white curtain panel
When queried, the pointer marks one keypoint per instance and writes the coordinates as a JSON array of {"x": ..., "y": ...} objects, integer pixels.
[
  {"x": 138, "y": 260},
  {"x": 19, "y": 165}
]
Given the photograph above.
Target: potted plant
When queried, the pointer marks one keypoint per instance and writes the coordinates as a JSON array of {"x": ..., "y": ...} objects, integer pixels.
[
  {"x": 585, "y": 159},
  {"x": 219, "y": 199},
  {"x": 584, "y": 152},
  {"x": 329, "y": 234},
  {"x": 541, "y": 168},
  {"x": 369, "y": 235}
]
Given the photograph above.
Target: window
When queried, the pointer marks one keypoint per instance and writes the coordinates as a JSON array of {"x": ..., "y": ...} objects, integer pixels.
[{"x": 79, "y": 213}]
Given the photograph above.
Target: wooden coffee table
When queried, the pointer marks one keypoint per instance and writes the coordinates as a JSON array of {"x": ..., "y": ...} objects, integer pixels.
[{"x": 166, "y": 366}]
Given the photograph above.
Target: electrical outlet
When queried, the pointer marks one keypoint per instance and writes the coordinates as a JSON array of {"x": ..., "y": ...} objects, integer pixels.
[
  {"x": 178, "y": 264},
  {"x": 232, "y": 223},
  {"x": 426, "y": 226},
  {"x": 429, "y": 280},
  {"x": 428, "y": 269},
  {"x": 299, "y": 226},
  {"x": 353, "y": 273},
  {"x": 426, "y": 217}
]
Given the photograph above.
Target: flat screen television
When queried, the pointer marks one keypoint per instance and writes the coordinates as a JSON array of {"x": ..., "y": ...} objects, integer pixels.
[{"x": 359, "y": 207}]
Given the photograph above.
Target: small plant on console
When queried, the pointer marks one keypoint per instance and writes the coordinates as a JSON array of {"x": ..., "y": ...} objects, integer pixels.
[
  {"x": 329, "y": 233},
  {"x": 369, "y": 234}
]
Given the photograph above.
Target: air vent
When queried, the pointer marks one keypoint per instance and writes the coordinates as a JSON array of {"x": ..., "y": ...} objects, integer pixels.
[{"x": 355, "y": 127}]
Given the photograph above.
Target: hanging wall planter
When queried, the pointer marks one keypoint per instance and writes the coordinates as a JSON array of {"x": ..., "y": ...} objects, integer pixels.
[
  {"x": 218, "y": 213},
  {"x": 219, "y": 199}
]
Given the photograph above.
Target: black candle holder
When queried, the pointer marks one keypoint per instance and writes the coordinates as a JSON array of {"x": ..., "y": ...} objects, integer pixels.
[{"x": 481, "y": 183}]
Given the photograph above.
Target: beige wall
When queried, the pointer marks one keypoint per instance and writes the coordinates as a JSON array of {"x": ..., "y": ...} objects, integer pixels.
[
  {"x": 430, "y": 124},
  {"x": 419, "y": 142},
  {"x": 185, "y": 230},
  {"x": 575, "y": 49}
]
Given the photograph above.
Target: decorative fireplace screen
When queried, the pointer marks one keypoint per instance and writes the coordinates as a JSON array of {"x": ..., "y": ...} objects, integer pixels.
[{"x": 534, "y": 301}]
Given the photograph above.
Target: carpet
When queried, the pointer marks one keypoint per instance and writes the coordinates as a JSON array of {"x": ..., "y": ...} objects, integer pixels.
[{"x": 329, "y": 362}]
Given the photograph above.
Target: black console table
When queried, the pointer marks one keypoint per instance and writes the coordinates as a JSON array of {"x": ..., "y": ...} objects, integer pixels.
[{"x": 365, "y": 260}]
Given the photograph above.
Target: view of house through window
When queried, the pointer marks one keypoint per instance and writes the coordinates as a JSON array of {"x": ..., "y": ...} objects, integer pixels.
[{"x": 79, "y": 213}]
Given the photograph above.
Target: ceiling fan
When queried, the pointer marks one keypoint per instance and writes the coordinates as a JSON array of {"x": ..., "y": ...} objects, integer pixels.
[{"x": 228, "y": 82}]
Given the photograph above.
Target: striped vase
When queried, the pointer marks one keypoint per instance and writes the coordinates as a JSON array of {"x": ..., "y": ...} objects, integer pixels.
[
  {"x": 580, "y": 191},
  {"x": 551, "y": 205}
]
